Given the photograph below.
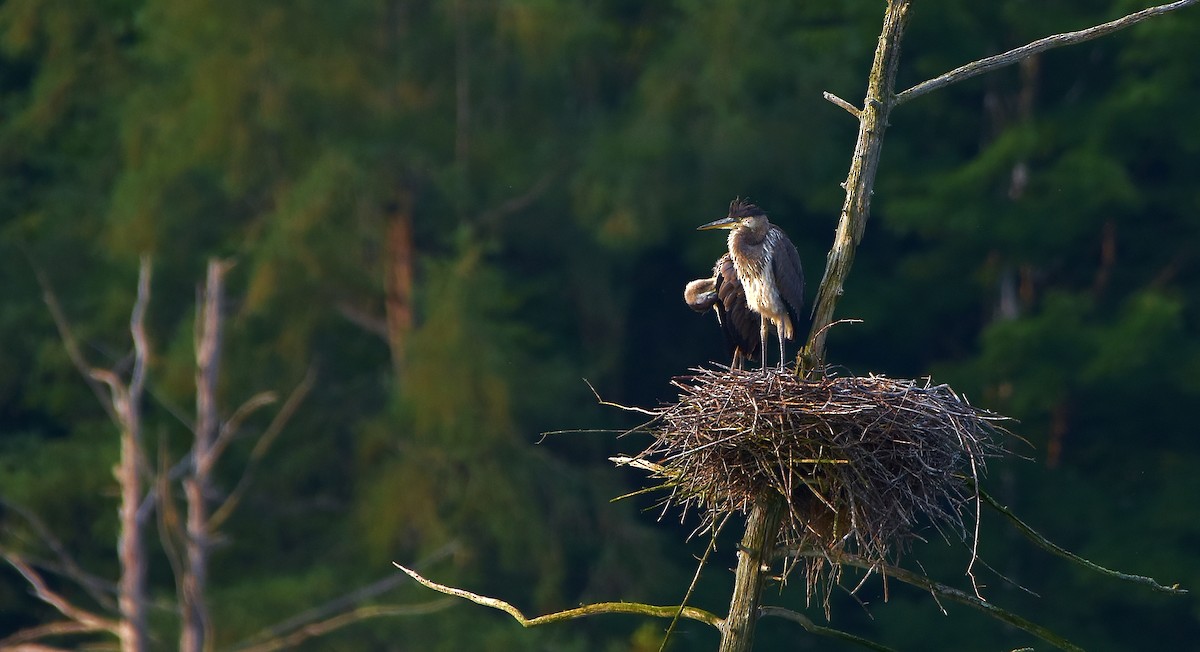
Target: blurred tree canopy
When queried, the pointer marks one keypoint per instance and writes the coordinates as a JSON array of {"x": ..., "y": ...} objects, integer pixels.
[{"x": 535, "y": 169}]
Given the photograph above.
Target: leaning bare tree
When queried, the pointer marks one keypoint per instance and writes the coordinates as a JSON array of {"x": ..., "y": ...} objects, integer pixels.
[{"x": 787, "y": 468}]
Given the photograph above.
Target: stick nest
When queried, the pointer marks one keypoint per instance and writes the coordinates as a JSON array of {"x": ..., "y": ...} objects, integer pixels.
[{"x": 862, "y": 462}]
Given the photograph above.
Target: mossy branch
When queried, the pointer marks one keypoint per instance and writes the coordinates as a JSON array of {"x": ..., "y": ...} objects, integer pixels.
[
  {"x": 654, "y": 611},
  {"x": 1050, "y": 546}
]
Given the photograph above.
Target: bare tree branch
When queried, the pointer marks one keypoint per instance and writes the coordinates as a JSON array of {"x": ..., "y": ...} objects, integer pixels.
[
  {"x": 293, "y": 402},
  {"x": 19, "y": 642},
  {"x": 762, "y": 528},
  {"x": 850, "y": 108},
  {"x": 338, "y": 607},
  {"x": 1046, "y": 544},
  {"x": 349, "y": 618},
  {"x": 43, "y": 592},
  {"x": 137, "y": 328},
  {"x": 24, "y": 639},
  {"x": 231, "y": 426},
  {"x": 939, "y": 590},
  {"x": 1041, "y": 45},
  {"x": 99, "y": 589},
  {"x": 69, "y": 342},
  {"x": 637, "y": 608},
  {"x": 123, "y": 406},
  {"x": 364, "y": 319},
  {"x": 820, "y": 630}
]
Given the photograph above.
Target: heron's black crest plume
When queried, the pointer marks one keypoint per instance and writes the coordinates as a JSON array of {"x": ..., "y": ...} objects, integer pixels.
[{"x": 744, "y": 208}]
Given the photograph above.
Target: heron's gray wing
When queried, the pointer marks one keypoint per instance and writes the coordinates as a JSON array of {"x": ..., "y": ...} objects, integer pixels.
[
  {"x": 789, "y": 278},
  {"x": 739, "y": 323}
]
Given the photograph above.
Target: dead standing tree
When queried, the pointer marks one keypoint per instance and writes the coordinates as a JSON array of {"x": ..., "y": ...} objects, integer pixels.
[
  {"x": 142, "y": 494},
  {"x": 146, "y": 491},
  {"x": 122, "y": 403},
  {"x": 765, "y": 512}
]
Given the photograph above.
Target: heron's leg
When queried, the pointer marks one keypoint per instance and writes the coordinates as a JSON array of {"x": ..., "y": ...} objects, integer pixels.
[
  {"x": 780, "y": 351},
  {"x": 762, "y": 333}
]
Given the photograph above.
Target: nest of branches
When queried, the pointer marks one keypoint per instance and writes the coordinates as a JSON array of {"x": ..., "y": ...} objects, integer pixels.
[{"x": 861, "y": 462}]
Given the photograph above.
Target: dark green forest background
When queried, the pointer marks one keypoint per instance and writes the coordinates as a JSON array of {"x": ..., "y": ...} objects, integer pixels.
[{"x": 1035, "y": 242}]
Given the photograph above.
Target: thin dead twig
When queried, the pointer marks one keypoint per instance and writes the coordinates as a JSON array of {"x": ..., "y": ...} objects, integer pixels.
[
  {"x": 83, "y": 617},
  {"x": 281, "y": 419}
]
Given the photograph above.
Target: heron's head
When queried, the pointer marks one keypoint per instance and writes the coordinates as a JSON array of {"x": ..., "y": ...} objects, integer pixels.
[{"x": 742, "y": 215}]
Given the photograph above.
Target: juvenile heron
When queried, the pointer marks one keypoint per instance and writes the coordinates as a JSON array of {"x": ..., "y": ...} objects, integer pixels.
[
  {"x": 723, "y": 292},
  {"x": 760, "y": 279}
]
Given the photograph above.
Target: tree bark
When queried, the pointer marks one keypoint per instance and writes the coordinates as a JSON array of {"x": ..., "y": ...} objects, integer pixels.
[
  {"x": 762, "y": 526},
  {"x": 126, "y": 400},
  {"x": 198, "y": 486}
]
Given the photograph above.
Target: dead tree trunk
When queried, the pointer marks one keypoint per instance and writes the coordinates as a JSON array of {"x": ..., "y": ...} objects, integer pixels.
[
  {"x": 398, "y": 280},
  {"x": 860, "y": 181},
  {"x": 198, "y": 485},
  {"x": 737, "y": 634},
  {"x": 126, "y": 402},
  {"x": 762, "y": 526}
]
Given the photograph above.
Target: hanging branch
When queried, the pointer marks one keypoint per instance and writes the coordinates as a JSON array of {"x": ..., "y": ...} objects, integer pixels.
[
  {"x": 1041, "y": 45},
  {"x": 1046, "y": 544},
  {"x": 940, "y": 590}
]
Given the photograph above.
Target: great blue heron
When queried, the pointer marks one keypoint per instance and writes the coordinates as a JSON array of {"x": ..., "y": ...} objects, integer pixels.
[{"x": 758, "y": 283}]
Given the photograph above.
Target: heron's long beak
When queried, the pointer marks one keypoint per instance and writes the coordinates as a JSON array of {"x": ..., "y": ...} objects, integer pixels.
[{"x": 723, "y": 223}]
